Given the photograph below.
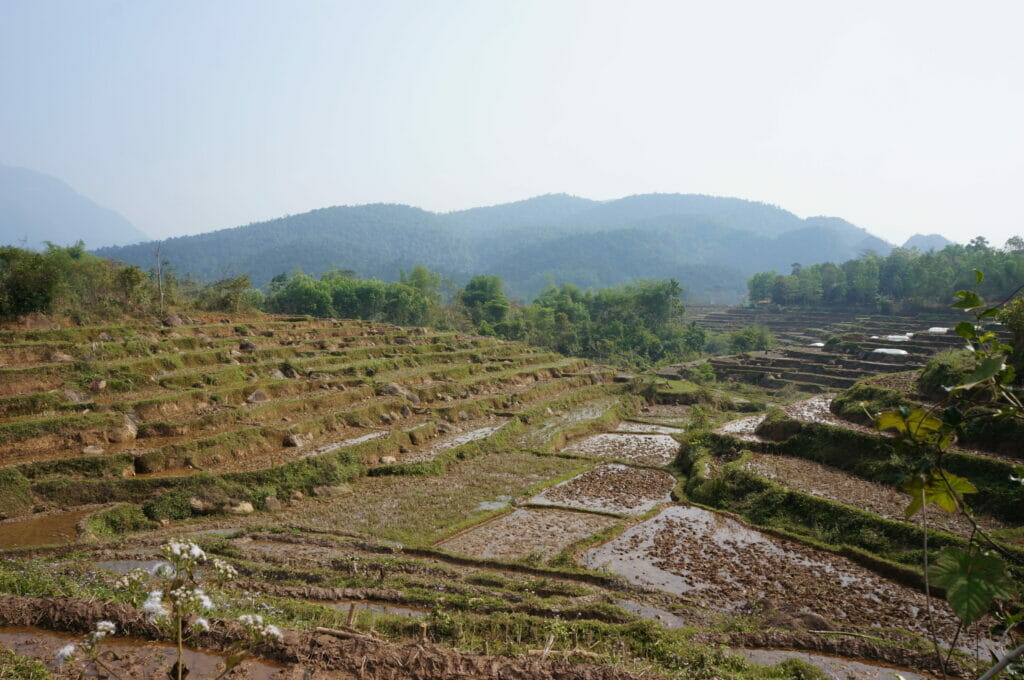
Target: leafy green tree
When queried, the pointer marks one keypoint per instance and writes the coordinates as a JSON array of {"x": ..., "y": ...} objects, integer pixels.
[{"x": 484, "y": 300}]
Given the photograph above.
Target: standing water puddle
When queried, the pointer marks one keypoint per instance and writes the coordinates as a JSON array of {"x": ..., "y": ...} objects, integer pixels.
[
  {"x": 450, "y": 442},
  {"x": 542, "y": 533},
  {"x": 581, "y": 414},
  {"x": 334, "y": 446},
  {"x": 50, "y": 529},
  {"x": 726, "y": 565},
  {"x": 611, "y": 488},
  {"x": 125, "y": 566},
  {"x": 134, "y": 657},
  {"x": 650, "y": 449},
  {"x": 646, "y": 611}
]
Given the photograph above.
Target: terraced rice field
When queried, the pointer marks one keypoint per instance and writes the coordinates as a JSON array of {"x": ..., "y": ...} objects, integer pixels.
[{"x": 410, "y": 503}]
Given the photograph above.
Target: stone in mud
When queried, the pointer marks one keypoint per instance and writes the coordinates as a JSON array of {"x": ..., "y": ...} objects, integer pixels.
[
  {"x": 272, "y": 504},
  {"x": 395, "y": 390},
  {"x": 257, "y": 396},
  {"x": 172, "y": 321},
  {"x": 61, "y": 358},
  {"x": 247, "y": 346},
  {"x": 406, "y": 411},
  {"x": 201, "y": 507},
  {"x": 93, "y": 450},
  {"x": 294, "y": 440},
  {"x": 290, "y": 372},
  {"x": 76, "y": 397},
  {"x": 242, "y": 508},
  {"x": 127, "y": 431},
  {"x": 277, "y": 375},
  {"x": 388, "y": 460}
]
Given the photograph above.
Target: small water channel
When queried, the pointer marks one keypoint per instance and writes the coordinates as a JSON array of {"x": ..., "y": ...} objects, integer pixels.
[{"x": 133, "y": 657}]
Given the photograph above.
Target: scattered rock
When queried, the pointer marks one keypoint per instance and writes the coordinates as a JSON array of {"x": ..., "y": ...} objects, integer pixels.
[
  {"x": 272, "y": 504},
  {"x": 105, "y": 337},
  {"x": 92, "y": 450},
  {"x": 257, "y": 396},
  {"x": 463, "y": 415},
  {"x": 201, "y": 507},
  {"x": 290, "y": 372},
  {"x": 127, "y": 431},
  {"x": 388, "y": 460},
  {"x": 294, "y": 440},
  {"x": 242, "y": 508},
  {"x": 624, "y": 377},
  {"x": 76, "y": 397},
  {"x": 297, "y": 495},
  {"x": 394, "y": 389},
  {"x": 406, "y": 411},
  {"x": 277, "y": 375},
  {"x": 61, "y": 358},
  {"x": 247, "y": 346},
  {"x": 172, "y": 321}
]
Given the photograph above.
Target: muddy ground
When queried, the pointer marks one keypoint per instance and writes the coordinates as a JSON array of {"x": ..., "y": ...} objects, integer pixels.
[
  {"x": 611, "y": 488},
  {"x": 726, "y": 565},
  {"x": 649, "y": 449},
  {"x": 538, "y": 533}
]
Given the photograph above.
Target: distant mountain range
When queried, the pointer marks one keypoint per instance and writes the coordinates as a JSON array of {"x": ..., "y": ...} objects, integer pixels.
[
  {"x": 710, "y": 244},
  {"x": 926, "y": 242},
  {"x": 35, "y": 208}
]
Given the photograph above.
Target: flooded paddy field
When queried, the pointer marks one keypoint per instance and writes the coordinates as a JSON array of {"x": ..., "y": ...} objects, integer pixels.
[
  {"x": 648, "y": 449},
  {"x": 634, "y": 427},
  {"x": 50, "y": 528},
  {"x": 523, "y": 533},
  {"x": 728, "y": 566},
  {"x": 611, "y": 488}
]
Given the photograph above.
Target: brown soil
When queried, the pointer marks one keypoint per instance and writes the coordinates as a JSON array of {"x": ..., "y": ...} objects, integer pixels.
[
  {"x": 728, "y": 566},
  {"x": 611, "y": 488},
  {"x": 649, "y": 449},
  {"x": 338, "y": 656},
  {"x": 542, "y": 533},
  {"x": 826, "y": 482}
]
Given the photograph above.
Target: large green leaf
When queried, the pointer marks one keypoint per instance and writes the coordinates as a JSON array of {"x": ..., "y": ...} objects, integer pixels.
[
  {"x": 939, "y": 488},
  {"x": 968, "y": 300},
  {"x": 972, "y": 581},
  {"x": 985, "y": 370}
]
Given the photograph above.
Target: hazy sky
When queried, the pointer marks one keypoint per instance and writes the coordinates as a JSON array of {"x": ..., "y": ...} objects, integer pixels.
[{"x": 187, "y": 116}]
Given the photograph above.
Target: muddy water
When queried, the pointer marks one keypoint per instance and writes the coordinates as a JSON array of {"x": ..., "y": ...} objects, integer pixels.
[
  {"x": 649, "y": 449},
  {"x": 125, "y": 566},
  {"x": 744, "y": 428},
  {"x": 450, "y": 442},
  {"x": 725, "y": 565},
  {"x": 580, "y": 414},
  {"x": 611, "y": 488},
  {"x": 46, "y": 529},
  {"x": 541, "y": 533},
  {"x": 334, "y": 446},
  {"x": 834, "y": 667},
  {"x": 133, "y": 657}
]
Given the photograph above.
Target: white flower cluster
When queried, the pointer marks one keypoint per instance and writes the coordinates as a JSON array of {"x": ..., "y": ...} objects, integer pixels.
[
  {"x": 253, "y": 624},
  {"x": 65, "y": 654},
  {"x": 154, "y": 605},
  {"x": 191, "y": 599},
  {"x": 132, "y": 580},
  {"x": 184, "y": 551},
  {"x": 201, "y": 625},
  {"x": 222, "y": 570},
  {"x": 103, "y": 629}
]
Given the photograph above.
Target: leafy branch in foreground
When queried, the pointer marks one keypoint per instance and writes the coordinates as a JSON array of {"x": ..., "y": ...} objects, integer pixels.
[{"x": 976, "y": 580}]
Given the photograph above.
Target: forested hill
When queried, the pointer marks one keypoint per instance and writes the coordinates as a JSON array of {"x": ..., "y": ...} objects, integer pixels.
[
  {"x": 35, "y": 207},
  {"x": 711, "y": 245}
]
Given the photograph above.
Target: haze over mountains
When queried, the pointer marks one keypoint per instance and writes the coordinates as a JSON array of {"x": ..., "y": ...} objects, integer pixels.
[
  {"x": 710, "y": 244},
  {"x": 35, "y": 207}
]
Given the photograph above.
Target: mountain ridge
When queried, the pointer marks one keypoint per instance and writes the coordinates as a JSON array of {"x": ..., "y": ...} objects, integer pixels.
[{"x": 710, "y": 244}]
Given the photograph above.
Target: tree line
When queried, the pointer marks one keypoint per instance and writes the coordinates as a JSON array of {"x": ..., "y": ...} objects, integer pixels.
[{"x": 904, "y": 279}]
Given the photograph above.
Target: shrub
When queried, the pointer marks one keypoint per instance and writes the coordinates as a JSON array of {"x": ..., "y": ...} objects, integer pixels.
[{"x": 946, "y": 369}]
